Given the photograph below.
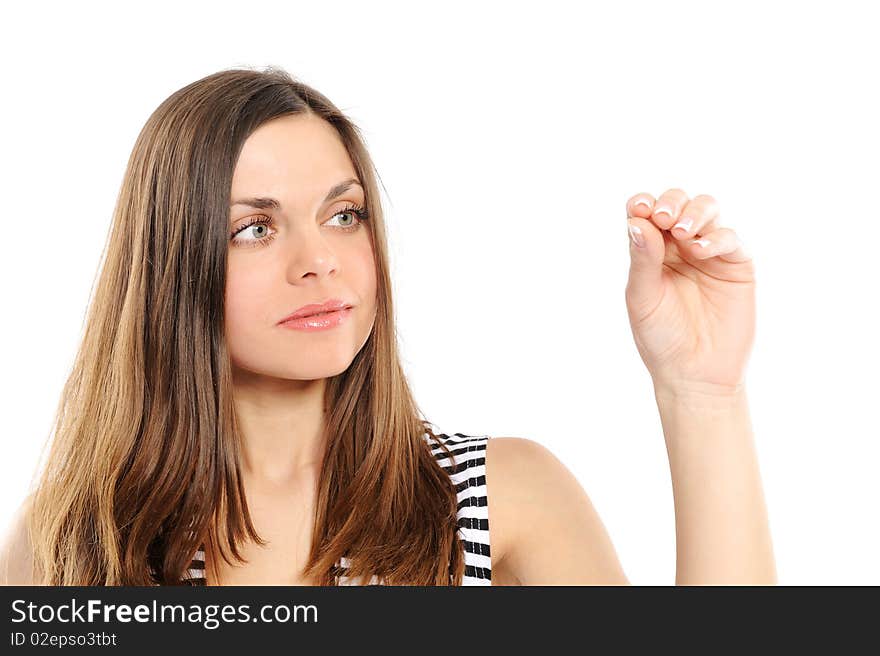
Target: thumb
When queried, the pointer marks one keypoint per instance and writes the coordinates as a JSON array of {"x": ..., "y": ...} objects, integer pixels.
[{"x": 646, "y": 250}]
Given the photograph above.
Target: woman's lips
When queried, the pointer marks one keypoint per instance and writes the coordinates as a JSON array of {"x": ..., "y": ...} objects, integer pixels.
[{"x": 321, "y": 321}]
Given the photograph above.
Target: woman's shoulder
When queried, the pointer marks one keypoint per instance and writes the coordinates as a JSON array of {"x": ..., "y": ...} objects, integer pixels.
[
  {"x": 544, "y": 523},
  {"x": 510, "y": 471},
  {"x": 16, "y": 554}
]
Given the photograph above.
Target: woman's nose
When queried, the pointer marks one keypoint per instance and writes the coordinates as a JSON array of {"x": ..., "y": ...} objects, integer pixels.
[{"x": 310, "y": 253}]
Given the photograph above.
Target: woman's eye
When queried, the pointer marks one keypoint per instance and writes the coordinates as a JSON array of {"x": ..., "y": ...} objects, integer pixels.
[
  {"x": 257, "y": 228},
  {"x": 351, "y": 213}
]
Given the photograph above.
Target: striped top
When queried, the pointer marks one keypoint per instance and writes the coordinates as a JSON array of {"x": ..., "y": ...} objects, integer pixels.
[{"x": 467, "y": 469}]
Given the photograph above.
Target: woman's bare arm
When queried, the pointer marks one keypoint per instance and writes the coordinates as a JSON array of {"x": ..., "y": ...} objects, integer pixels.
[
  {"x": 551, "y": 533},
  {"x": 721, "y": 526}
]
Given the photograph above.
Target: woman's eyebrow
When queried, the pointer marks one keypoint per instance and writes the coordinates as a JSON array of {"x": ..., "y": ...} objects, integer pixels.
[{"x": 265, "y": 203}]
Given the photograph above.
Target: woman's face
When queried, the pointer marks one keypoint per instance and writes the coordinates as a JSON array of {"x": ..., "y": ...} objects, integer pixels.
[{"x": 306, "y": 250}]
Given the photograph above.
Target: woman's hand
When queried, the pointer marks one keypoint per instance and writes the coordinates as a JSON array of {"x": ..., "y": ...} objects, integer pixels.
[{"x": 691, "y": 307}]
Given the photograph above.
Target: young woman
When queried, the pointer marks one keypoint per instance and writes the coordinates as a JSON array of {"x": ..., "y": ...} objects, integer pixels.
[{"x": 237, "y": 412}]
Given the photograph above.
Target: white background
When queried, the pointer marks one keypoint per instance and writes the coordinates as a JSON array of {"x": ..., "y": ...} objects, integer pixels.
[{"x": 508, "y": 137}]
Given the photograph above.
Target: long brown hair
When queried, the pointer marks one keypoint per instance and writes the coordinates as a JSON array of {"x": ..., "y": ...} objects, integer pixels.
[{"x": 144, "y": 465}]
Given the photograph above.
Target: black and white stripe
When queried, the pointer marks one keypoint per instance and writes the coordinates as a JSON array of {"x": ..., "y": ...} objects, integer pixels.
[
  {"x": 195, "y": 575},
  {"x": 467, "y": 470}
]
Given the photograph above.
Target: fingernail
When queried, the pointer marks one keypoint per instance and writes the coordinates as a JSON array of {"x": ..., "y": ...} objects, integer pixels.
[
  {"x": 684, "y": 225},
  {"x": 702, "y": 242},
  {"x": 635, "y": 235},
  {"x": 642, "y": 202},
  {"x": 662, "y": 210}
]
